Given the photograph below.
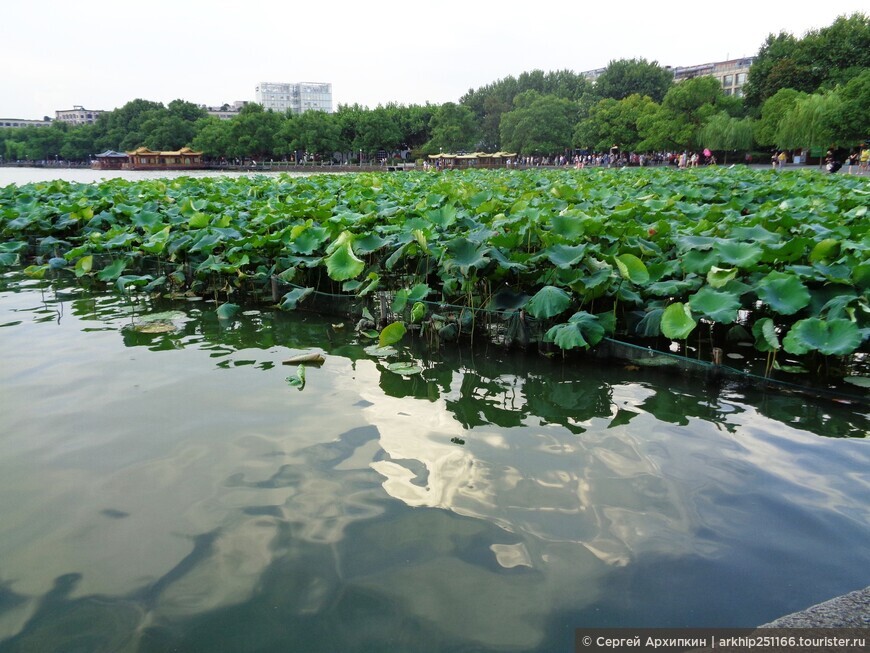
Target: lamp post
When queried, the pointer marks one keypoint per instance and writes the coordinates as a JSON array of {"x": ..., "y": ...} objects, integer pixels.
[{"x": 360, "y": 157}]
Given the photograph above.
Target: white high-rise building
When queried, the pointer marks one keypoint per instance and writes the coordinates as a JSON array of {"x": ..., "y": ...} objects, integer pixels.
[{"x": 298, "y": 97}]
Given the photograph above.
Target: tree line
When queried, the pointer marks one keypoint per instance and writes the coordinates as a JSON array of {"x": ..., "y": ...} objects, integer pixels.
[{"x": 802, "y": 92}]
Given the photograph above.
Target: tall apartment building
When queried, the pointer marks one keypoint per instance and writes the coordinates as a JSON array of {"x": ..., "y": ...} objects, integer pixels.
[
  {"x": 78, "y": 115},
  {"x": 298, "y": 97}
]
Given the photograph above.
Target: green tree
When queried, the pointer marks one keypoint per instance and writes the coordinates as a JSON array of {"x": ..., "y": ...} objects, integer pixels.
[
  {"x": 726, "y": 133},
  {"x": 253, "y": 133},
  {"x": 453, "y": 129},
  {"x": 810, "y": 122},
  {"x": 823, "y": 58},
  {"x": 677, "y": 122},
  {"x": 539, "y": 124},
  {"x": 489, "y": 103},
  {"x": 44, "y": 143},
  {"x": 78, "y": 143},
  {"x": 122, "y": 129},
  {"x": 851, "y": 120},
  {"x": 377, "y": 130},
  {"x": 772, "y": 112},
  {"x": 613, "y": 122},
  {"x": 213, "y": 137},
  {"x": 634, "y": 77},
  {"x": 413, "y": 122},
  {"x": 314, "y": 132}
]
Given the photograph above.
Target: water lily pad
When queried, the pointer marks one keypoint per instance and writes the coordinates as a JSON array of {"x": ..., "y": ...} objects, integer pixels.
[
  {"x": 405, "y": 369},
  {"x": 380, "y": 352}
]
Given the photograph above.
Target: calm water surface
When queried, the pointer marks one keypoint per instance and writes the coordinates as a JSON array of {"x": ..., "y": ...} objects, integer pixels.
[
  {"x": 172, "y": 491},
  {"x": 19, "y": 176}
]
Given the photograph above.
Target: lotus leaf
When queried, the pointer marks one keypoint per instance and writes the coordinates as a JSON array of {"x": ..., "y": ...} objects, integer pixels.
[
  {"x": 113, "y": 270},
  {"x": 677, "y": 322},
  {"x": 632, "y": 268},
  {"x": 343, "y": 264},
  {"x": 737, "y": 253},
  {"x": 829, "y": 337},
  {"x": 84, "y": 265},
  {"x": 227, "y": 311},
  {"x": 548, "y": 302},
  {"x": 404, "y": 368},
  {"x": 718, "y": 277},
  {"x": 581, "y": 330},
  {"x": 766, "y": 338},
  {"x": 380, "y": 352},
  {"x": 783, "y": 292},
  {"x": 391, "y": 334},
  {"x": 718, "y": 305},
  {"x": 292, "y": 298}
]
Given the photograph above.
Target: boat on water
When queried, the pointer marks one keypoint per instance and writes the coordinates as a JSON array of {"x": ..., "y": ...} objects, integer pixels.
[{"x": 145, "y": 159}]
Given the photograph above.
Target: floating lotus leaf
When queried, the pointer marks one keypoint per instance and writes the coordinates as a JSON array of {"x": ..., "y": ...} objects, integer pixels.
[
  {"x": 298, "y": 379},
  {"x": 405, "y": 369},
  {"x": 380, "y": 352}
]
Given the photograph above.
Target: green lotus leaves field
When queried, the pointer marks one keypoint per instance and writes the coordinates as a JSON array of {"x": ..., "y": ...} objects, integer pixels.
[{"x": 637, "y": 253}]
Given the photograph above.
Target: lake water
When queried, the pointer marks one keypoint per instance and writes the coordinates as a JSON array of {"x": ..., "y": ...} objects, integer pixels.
[
  {"x": 19, "y": 176},
  {"x": 172, "y": 491}
]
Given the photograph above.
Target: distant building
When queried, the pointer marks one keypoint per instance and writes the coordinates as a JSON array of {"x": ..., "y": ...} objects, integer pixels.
[
  {"x": 225, "y": 111},
  {"x": 297, "y": 98},
  {"x": 78, "y": 115},
  {"x": 732, "y": 74},
  {"x": 592, "y": 75},
  {"x": 12, "y": 123}
]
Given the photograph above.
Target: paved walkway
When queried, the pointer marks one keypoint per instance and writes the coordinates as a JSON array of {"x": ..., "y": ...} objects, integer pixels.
[{"x": 848, "y": 611}]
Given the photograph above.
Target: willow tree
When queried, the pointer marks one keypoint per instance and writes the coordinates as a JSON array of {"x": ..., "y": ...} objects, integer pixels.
[
  {"x": 726, "y": 133},
  {"x": 809, "y": 123}
]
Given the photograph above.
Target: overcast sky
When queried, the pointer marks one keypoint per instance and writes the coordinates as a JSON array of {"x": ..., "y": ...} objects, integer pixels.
[{"x": 104, "y": 53}]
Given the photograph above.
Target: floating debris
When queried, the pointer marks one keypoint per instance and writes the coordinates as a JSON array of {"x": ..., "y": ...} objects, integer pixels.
[{"x": 311, "y": 359}]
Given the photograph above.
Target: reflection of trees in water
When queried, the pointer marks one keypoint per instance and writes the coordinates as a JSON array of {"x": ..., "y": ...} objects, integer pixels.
[{"x": 497, "y": 387}]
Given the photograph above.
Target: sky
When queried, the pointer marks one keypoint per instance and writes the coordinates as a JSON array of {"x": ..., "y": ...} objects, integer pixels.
[{"x": 101, "y": 54}]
